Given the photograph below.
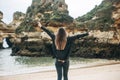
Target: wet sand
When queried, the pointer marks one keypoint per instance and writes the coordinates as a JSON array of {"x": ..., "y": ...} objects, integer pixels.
[{"x": 109, "y": 71}]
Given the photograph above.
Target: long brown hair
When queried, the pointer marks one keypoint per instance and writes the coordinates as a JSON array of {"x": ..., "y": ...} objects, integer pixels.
[{"x": 61, "y": 39}]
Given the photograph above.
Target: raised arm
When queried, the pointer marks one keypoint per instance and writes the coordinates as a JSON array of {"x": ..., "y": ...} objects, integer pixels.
[
  {"x": 46, "y": 30},
  {"x": 79, "y": 36}
]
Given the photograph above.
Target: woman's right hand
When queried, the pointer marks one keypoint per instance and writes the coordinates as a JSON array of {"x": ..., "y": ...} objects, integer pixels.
[{"x": 39, "y": 24}]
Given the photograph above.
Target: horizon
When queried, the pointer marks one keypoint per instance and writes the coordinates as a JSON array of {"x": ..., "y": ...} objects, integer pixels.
[{"x": 9, "y": 8}]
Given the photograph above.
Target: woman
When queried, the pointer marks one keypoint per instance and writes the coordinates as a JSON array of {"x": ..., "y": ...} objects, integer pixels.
[{"x": 61, "y": 49}]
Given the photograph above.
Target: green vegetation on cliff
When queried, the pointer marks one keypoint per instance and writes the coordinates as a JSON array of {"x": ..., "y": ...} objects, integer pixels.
[
  {"x": 98, "y": 18},
  {"x": 59, "y": 17},
  {"x": 27, "y": 26},
  {"x": 53, "y": 12},
  {"x": 17, "y": 15}
]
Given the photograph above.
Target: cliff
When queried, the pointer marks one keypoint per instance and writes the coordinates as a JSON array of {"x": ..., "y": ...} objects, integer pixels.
[
  {"x": 103, "y": 21},
  {"x": 116, "y": 14}
]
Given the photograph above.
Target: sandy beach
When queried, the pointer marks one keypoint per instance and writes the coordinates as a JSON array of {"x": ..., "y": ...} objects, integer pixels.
[{"x": 108, "y": 71}]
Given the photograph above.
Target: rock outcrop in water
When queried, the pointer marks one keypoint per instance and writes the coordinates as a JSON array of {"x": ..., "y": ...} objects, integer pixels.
[
  {"x": 5, "y": 32},
  {"x": 2, "y": 24},
  {"x": 1, "y": 16}
]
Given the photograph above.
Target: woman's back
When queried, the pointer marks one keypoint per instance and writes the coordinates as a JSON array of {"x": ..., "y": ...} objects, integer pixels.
[{"x": 64, "y": 54}]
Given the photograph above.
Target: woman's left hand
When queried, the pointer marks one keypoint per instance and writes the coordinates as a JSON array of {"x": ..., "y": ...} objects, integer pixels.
[{"x": 39, "y": 24}]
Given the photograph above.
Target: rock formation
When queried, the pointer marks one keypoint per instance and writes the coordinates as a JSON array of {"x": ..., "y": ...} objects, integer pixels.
[
  {"x": 5, "y": 31},
  {"x": 18, "y": 17},
  {"x": 2, "y": 24},
  {"x": 116, "y": 17},
  {"x": 103, "y": 21},
  {"x": 3, "y": 27},
  {"x": 53, "y": 11},
  {"x": 103, "y": 40},
  {"x": 116, "y": 14}
]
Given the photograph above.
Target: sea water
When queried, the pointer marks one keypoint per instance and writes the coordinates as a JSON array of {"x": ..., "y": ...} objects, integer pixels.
[{"x": 12, "y": 65}]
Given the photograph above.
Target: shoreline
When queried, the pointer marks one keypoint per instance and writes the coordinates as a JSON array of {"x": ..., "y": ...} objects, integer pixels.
[
  {"x": 109, "y": 71},
  {"x": 52, "y": 68}
]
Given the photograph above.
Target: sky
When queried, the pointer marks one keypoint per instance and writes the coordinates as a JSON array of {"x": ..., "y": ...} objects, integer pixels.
[{"x": 75, "y": 7}]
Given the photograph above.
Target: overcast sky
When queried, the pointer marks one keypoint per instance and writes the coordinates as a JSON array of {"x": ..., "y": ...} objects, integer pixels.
[{"x": 76, "y": 7}]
